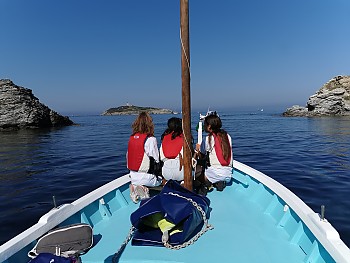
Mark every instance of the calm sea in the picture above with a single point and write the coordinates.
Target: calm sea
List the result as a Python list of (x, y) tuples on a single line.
[(310, 156)]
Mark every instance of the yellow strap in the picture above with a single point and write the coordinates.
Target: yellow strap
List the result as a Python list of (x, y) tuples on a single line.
[(165, 225)]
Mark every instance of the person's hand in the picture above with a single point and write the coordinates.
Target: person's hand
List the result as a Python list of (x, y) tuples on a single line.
[(197, 151)]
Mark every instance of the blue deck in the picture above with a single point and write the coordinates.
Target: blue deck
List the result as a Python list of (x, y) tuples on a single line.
[(251, 224), (236, 237)]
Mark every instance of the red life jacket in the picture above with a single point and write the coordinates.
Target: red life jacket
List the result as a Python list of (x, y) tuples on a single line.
[(219, 153), (172, 148), (136, 151)]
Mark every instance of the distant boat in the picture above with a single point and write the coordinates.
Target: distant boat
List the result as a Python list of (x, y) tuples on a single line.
[(209, 112), (262, 110)]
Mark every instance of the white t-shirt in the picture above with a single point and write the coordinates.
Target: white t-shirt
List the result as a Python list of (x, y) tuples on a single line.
[(151, 148)]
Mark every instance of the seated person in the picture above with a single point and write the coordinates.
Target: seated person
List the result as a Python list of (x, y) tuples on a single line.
[(142, 155), (171, 151), (216, 149)]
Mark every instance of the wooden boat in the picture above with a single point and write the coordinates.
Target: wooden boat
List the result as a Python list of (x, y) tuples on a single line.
[(255, 218)]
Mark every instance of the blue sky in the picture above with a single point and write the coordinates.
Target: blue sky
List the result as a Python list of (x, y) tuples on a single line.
[(84, 56)]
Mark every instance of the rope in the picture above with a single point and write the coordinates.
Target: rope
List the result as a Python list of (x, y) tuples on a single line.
[(189, 71), (184, 51), (188, 145)]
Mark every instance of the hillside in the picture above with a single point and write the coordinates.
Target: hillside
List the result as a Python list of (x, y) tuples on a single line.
[(133, 110), (332, 99)]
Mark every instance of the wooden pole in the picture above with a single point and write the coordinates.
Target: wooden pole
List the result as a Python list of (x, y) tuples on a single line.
[(186, 93)]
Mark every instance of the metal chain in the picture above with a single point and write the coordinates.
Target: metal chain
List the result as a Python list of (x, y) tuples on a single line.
[(123, 245), (205, 228)]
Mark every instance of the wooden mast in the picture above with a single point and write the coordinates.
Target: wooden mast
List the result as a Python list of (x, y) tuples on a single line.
[(186, 94)]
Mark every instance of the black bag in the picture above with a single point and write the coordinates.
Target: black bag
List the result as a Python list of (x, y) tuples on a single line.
[(48, 257), (155, 168), (71, 240), (171, 211)]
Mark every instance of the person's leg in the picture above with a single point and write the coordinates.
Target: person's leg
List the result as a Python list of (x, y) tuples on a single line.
[(219, 176), (133, 195), (201, 185), (142, 192), (220, 186)]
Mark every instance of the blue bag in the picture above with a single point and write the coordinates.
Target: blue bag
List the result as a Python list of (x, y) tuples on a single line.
[(50, 258), (170, 210)]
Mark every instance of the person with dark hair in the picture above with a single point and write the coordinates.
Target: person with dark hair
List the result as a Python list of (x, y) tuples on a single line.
[(142, 157), (217, 150), (171, 150)]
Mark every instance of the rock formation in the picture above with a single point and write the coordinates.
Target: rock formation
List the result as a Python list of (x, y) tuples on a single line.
[(132, 110), (19, 108), (333, 99)]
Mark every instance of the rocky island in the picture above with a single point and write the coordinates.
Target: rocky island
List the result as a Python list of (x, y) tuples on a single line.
[(134, 110), (19, 108), (333, 99)]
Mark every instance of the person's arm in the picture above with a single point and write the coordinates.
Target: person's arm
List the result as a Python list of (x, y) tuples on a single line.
[(203, 148), (151, 148), (200, 150)]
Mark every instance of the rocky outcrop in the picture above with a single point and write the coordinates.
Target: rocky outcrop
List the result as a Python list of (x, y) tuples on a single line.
[(132, 110), (19, 108), (333, 99)]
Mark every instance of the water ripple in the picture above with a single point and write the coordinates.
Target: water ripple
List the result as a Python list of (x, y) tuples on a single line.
[(310, 156)]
